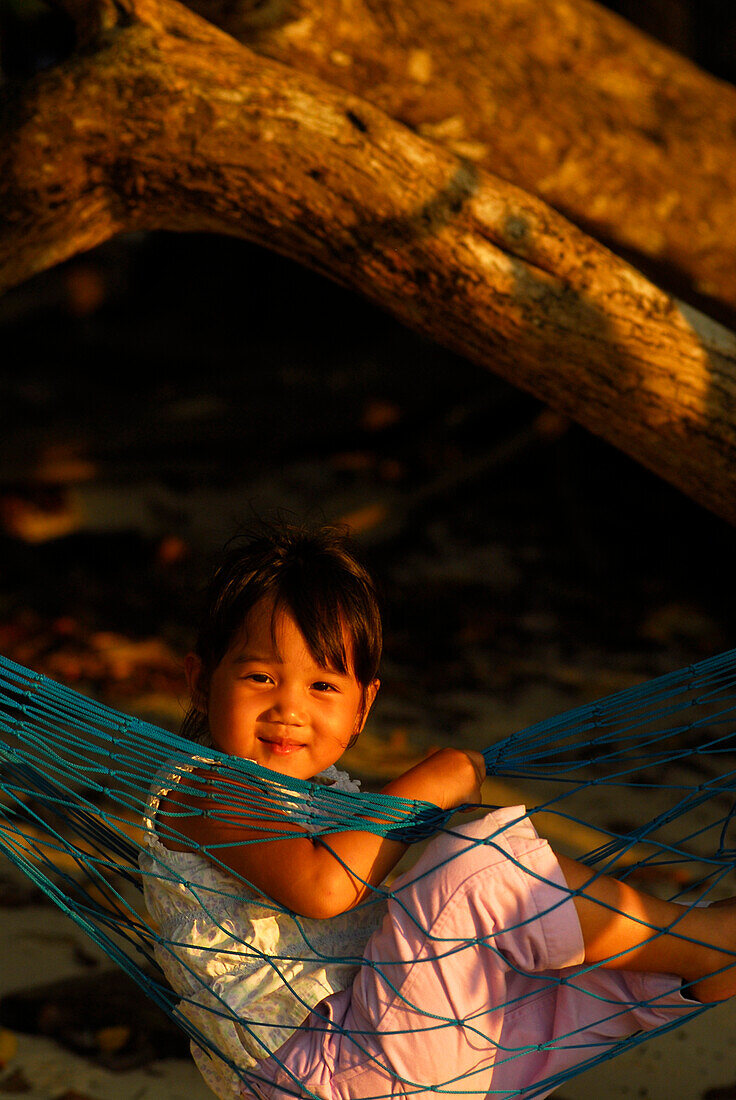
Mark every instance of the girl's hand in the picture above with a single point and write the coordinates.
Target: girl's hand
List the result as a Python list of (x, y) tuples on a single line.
[(447, 777), (479, 766), (466, 770)]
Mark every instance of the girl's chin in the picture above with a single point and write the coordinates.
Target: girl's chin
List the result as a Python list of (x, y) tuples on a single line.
[(294, 764)]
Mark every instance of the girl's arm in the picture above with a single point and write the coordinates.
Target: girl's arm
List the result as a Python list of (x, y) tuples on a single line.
[(312, 877)]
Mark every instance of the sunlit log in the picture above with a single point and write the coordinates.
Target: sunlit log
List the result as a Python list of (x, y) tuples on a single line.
[(628, 139), (164, 122)]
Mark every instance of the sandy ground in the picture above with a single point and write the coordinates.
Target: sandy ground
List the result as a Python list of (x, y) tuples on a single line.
[(39, 944)]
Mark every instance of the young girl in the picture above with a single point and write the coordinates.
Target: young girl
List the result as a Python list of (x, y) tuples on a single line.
[(488, 969)]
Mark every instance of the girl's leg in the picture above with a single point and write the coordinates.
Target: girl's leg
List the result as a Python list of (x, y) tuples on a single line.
[(625, 929), (474, 985)]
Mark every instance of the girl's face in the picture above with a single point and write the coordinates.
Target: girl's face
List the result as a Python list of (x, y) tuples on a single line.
[(268, 700)]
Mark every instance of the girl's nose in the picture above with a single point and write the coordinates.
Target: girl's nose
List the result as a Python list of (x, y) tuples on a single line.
[(287, 706)]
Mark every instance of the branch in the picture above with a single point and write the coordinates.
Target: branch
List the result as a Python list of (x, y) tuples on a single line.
[(173, 125), (632, 142)]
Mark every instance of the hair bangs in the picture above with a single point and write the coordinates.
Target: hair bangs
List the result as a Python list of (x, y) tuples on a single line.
[(308, 592)]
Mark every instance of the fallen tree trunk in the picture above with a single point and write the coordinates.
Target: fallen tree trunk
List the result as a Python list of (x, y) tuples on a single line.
[(166, 123), (628, 139)]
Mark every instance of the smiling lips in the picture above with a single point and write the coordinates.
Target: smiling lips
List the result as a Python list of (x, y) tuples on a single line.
[(281, 747)]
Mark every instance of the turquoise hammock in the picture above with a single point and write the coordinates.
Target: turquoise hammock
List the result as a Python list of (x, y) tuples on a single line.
[(75, 777)]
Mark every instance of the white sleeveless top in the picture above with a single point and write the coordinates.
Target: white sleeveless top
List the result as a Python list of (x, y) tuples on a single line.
[(225, 948)]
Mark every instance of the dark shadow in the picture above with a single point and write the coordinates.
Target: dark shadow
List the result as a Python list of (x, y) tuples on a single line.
[(33, 36)]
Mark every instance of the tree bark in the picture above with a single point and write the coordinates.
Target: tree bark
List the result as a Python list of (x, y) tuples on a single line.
[(168, 123), (625, 137)]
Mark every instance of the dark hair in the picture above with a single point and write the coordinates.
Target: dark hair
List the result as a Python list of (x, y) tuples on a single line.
[(315, 574)]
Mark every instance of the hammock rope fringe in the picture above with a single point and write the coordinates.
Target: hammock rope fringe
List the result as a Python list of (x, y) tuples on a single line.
[(75, 777)]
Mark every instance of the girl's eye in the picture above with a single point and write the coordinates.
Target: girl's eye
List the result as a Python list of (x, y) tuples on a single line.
[(322, 685), (259, 677)]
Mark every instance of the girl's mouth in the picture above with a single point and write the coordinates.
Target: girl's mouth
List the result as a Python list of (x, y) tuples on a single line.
[(281, 748)]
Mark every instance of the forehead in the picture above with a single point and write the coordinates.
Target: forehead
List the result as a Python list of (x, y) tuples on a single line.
[(270, 625), (265, 630), (270, 629)]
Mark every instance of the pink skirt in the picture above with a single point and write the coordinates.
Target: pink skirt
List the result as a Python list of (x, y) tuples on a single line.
[(473, 986)]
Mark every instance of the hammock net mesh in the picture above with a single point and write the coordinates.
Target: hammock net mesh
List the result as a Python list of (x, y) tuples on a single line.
[(76, 777)]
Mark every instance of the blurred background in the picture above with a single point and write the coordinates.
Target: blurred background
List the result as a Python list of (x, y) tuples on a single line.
[(158, 392)]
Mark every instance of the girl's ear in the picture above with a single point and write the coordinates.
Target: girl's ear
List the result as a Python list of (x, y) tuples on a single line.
[(370, 694), (193, 673)]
